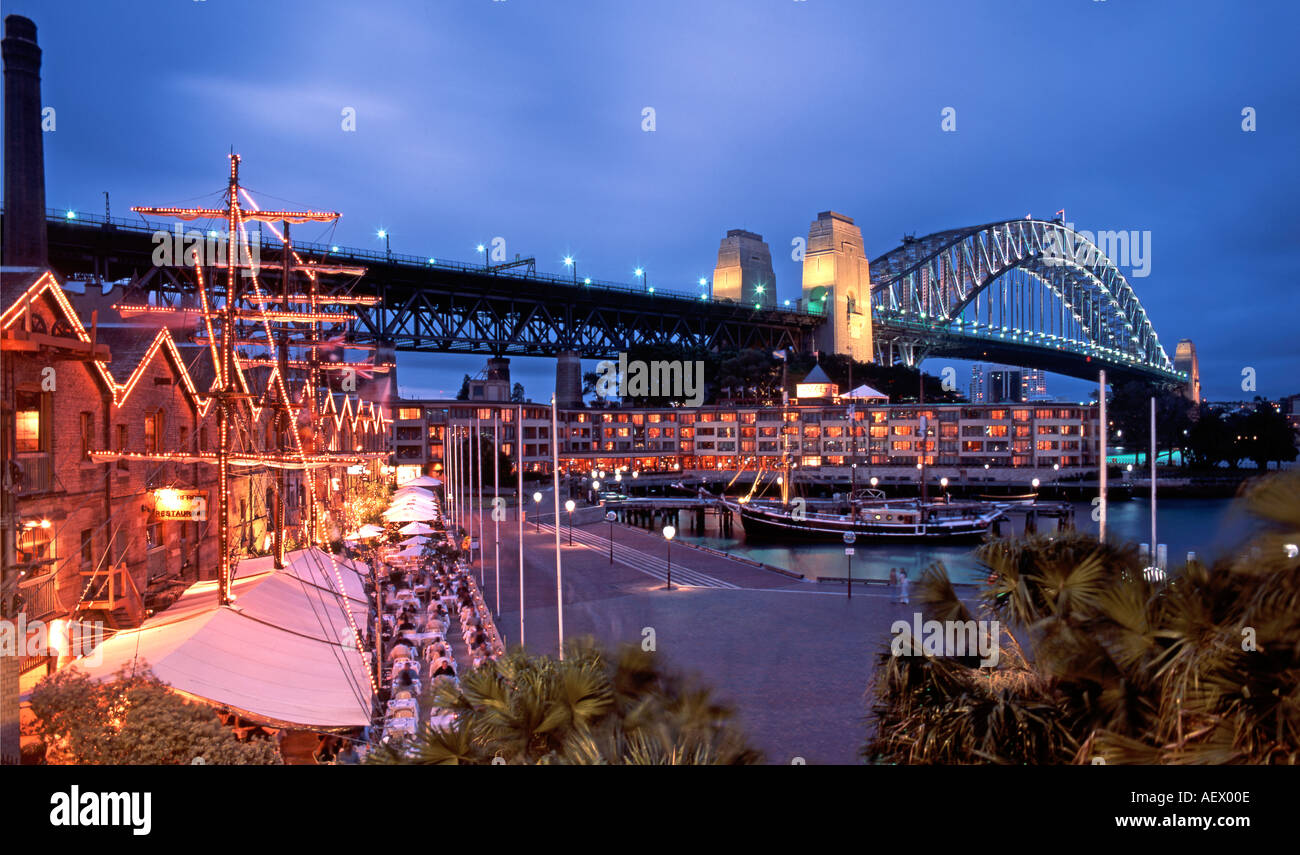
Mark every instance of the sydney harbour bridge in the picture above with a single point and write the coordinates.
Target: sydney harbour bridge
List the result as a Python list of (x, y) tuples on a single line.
[(1003, 292)]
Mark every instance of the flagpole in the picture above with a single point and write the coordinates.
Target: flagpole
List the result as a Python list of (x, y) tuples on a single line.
[(1101, 474), (1153, 482), (555, 484), (519, 510), (477, 450), (496, 494)]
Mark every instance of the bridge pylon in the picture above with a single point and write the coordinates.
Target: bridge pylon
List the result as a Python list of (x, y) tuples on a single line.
[(837, 284)]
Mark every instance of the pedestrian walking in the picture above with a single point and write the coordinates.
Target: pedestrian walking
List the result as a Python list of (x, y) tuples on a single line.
[(902, 586)]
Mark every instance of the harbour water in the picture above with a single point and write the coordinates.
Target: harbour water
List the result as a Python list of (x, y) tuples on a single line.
[(1208, 527)]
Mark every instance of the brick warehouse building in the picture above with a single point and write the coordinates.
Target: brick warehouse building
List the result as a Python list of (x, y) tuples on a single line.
[(77, 378)]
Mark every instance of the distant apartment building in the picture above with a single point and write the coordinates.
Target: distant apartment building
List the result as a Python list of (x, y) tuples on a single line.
[(1033, 384), (978, 393), (711, 438), (993, 384), (1005, 386)]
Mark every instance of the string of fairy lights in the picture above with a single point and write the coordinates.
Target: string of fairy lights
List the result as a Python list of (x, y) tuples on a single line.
[(233, 386)]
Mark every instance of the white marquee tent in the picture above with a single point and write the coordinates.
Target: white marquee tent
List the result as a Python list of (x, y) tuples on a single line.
[(282, 653)]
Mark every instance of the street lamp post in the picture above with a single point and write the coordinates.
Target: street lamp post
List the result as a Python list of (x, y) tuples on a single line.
[(943, 482), (537, 500), (388, 252), (569, 262), (849, 538), (669, 532), (610, 516), (569, 506)]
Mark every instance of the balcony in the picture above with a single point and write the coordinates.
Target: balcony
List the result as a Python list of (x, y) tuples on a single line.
[(31, 473)]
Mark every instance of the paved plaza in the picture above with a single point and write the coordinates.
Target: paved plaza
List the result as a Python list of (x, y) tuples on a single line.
[(794, 657)]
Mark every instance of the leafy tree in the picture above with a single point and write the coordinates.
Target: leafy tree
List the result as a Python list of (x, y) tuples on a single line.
[(1210, 439), (1204, 669), (587, 709), (1265, 436), (463, 394), (1129, 410), (517, 393), (133, 719)]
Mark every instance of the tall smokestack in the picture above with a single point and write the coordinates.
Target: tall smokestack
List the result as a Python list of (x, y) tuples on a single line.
[(24, 223)]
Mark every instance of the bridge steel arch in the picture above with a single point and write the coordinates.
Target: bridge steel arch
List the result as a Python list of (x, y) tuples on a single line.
[(1027, 291)]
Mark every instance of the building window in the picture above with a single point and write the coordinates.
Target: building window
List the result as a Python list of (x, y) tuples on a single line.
[(153, 432), (31, 422), (153, 535), (121, 445), (36, 545), (88, 549), (87, 433)]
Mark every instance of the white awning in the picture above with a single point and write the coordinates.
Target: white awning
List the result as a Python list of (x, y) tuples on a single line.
[(282, 653), (865, 391)]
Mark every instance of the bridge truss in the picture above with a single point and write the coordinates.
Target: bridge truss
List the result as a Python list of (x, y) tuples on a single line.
[(1027, 292)]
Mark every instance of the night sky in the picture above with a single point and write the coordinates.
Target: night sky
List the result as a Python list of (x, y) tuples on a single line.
[(522, 119)]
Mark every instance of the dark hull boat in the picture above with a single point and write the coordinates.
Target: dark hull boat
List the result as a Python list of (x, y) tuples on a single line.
[(893, 521)]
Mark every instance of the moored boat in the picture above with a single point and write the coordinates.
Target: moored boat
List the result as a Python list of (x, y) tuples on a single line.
[(883, 520)]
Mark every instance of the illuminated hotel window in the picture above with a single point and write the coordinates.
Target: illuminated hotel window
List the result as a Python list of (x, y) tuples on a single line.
[(31, 421)]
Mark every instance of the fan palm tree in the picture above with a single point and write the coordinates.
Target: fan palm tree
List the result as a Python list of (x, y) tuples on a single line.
[(1202, 669), (586, 709)]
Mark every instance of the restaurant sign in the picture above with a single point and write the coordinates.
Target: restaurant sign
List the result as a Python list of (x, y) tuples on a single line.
[(182, 505)]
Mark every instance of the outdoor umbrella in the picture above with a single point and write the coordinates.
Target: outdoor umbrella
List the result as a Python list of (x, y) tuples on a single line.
[(410, 515), (415, 528), (415, 541), (418, 492), (423, 481)]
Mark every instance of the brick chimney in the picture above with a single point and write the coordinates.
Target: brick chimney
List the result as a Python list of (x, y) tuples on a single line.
[(24, 220)]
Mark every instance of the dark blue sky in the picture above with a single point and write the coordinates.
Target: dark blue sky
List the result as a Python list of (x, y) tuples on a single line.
[(523, 119)]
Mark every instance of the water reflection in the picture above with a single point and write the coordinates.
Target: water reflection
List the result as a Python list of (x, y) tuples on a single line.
[(1208, 527)]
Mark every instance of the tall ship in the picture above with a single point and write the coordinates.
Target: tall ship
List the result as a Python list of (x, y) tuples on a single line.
[(868, 515)]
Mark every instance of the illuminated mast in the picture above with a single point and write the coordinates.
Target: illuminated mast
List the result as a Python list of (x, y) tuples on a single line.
[(228, 393)]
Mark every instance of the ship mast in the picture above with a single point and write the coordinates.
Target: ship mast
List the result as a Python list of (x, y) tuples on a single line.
[(231, 400), (785, 436)]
